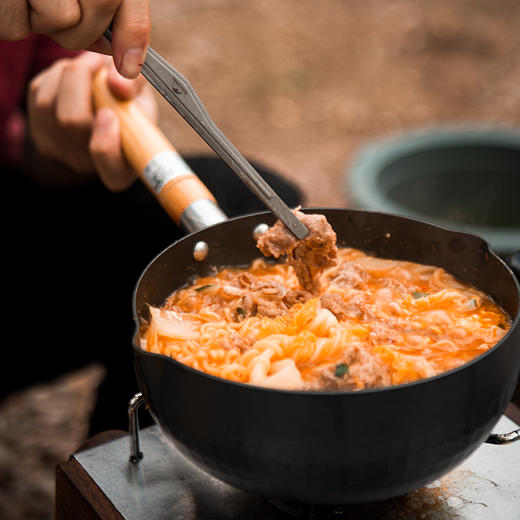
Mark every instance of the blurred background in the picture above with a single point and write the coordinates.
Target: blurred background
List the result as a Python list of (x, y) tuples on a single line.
[(299, 86)]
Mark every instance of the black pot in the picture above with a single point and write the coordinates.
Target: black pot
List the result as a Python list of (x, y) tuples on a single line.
[(332, 447)]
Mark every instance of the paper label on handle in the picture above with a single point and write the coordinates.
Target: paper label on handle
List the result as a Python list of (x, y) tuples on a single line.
[(163, 168)]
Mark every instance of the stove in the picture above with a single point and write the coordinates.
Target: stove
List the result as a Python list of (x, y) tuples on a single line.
[(164, 484)]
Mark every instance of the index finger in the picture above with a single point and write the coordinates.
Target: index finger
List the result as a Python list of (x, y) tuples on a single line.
[(122, 87), (74, 97), (50, 16), (14, 20)]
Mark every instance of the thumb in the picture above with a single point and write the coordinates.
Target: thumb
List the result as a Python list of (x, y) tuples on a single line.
[(131, 36)]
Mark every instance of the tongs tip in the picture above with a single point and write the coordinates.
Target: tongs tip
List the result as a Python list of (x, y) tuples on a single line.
[(297, 228)]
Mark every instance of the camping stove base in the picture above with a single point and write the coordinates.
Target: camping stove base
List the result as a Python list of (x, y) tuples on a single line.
[(164, 484)]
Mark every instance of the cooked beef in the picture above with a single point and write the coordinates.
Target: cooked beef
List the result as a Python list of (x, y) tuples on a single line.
[(235, 340), (350, 275), (310, 256), (362, 370), (258, 304), (354, 307), (248, 307), (298, 296), (335, 304), (267, 299)]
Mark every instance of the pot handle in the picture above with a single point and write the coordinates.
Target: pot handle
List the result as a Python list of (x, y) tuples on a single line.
[(505, 438), (181, 193)]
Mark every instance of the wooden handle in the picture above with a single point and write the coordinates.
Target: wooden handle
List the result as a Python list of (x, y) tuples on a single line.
[(144, 146)]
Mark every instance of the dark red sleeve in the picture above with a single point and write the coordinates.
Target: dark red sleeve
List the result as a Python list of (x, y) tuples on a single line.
[(46, 52), (19, 62)]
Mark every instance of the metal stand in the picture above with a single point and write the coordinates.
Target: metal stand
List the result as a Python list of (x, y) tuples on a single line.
[(165, 484), (133, 427)]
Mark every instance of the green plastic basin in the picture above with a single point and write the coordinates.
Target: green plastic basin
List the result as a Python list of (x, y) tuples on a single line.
[(463, 178)]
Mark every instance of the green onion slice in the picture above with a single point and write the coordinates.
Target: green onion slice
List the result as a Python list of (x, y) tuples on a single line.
[(341, 370)]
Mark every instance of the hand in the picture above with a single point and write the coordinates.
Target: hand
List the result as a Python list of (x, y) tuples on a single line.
[(80, 24), (63, 123)]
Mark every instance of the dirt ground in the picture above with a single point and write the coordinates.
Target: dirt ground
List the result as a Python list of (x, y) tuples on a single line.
[(299, 86)]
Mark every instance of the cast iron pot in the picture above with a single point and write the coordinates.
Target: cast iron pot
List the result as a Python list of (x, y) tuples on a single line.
[(331, 447), (312, 447)]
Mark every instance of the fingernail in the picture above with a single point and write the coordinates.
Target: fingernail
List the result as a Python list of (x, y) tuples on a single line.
[(105, 118), (132, 62)]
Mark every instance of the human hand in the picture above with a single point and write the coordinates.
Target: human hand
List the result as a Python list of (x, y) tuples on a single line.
[(64, 126), (80, 24)]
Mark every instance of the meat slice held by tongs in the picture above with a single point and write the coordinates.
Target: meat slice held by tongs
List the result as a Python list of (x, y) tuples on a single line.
[(308, 256), (308, 240)]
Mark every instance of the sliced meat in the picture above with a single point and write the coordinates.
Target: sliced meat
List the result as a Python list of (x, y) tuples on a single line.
[(235, 341), (268, 299), (350, 275), (361, 370), (310, 256), (298, 296), (257, 304), (335, 304), (248, 307), (354, 307)]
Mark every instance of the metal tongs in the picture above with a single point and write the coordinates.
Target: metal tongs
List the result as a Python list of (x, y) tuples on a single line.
[(177, 90)]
